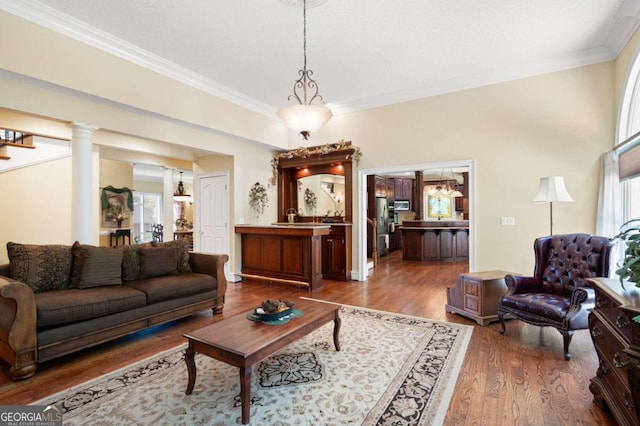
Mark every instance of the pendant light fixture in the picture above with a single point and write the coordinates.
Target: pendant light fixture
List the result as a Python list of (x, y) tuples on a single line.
[(443, 189), (181, 192), (305, 117)]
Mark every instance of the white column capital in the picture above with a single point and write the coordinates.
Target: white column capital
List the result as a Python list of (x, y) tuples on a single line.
[(77, 125)]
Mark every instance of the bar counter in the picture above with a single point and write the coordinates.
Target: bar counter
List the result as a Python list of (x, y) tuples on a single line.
[(283, 252), (435, 240)]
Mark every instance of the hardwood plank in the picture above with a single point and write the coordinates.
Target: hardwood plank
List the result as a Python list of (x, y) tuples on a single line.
[(517, 378)]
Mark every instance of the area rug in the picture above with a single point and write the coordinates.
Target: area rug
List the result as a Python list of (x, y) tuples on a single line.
[(392, 369)]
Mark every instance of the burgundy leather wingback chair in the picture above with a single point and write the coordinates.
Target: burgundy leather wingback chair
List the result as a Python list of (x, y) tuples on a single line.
[(557, 295)]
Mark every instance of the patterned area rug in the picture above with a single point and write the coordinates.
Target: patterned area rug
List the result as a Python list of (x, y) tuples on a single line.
[(393, 369)]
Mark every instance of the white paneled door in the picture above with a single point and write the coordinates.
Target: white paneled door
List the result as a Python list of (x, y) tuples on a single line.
[(213, 196)]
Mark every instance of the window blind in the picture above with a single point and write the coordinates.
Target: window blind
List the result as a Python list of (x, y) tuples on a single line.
[(629, 157)]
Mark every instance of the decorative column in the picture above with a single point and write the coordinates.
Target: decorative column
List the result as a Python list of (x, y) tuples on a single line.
[(418, 196), (167, 205), (81, 179)]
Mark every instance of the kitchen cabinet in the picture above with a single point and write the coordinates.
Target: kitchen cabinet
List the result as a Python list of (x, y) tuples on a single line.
[(616, 338), (403, 189), (390, 189), (380, 186), (336, 253)]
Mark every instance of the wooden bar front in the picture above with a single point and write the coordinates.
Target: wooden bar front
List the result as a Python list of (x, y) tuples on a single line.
[(287, 253), (430, 240)]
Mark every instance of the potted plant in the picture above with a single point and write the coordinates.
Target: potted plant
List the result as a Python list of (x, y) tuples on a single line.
[(629, 266)]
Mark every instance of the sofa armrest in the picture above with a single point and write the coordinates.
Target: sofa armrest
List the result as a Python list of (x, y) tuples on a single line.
[(18, 334), (4, 270), (212, 264)]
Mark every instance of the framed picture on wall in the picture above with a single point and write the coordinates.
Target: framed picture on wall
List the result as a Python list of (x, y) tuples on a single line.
[(115, 208)]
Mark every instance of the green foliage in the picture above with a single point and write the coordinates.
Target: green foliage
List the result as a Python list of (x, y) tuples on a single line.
[(258, 198), (629, 267)]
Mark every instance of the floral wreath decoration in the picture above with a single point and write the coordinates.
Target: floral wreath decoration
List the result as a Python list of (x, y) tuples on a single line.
[(304, 152), (258, 198)]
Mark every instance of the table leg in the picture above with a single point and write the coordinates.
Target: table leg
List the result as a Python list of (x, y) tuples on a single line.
[(189, 358), (336, 331), (245, 392)]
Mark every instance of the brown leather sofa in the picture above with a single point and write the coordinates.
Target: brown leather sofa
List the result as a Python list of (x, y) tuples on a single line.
[(558, 295), (79, 296)]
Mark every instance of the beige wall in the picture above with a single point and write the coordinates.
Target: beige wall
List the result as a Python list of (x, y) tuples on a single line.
[(36, 205), (516, 132)]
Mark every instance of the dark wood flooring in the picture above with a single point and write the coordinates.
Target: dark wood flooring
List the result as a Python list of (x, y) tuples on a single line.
[(520, 378)]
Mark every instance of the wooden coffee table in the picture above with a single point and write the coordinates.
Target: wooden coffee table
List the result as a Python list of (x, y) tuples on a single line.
[(242, 343)]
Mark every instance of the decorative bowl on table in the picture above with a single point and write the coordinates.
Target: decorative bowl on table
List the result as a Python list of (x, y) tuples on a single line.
[(273, 309)]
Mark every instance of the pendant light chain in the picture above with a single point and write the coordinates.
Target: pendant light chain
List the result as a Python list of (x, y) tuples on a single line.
[(305, 117), (304, 47), (304, 33)]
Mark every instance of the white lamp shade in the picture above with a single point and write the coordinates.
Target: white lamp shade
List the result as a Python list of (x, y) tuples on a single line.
[(552, 190), (305, 118)]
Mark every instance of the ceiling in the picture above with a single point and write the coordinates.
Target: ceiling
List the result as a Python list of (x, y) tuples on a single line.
[(364, 53)]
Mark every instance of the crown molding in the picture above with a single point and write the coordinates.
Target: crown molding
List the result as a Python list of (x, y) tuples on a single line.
[(494, 76), (52, 19), (627, 22)]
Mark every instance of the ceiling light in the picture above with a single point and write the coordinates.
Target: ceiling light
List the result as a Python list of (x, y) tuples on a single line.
[(305, 117)]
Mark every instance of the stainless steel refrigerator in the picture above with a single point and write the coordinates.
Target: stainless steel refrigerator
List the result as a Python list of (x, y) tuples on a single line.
[(382, 218)]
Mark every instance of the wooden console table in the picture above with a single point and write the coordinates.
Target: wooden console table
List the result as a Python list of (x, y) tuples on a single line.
[(476, 295), (117, 234)]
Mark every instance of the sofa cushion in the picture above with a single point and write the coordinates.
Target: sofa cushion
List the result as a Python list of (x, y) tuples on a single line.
[(174, 286), (96, 266), (181, 247), (157, 262), (73, 305), (41, 267)]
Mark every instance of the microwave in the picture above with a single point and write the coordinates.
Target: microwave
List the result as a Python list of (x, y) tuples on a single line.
[(401, 206)]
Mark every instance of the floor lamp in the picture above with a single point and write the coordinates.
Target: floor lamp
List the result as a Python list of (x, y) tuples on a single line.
[(552, 190)]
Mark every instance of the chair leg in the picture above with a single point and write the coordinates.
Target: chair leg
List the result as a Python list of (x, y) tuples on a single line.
[(501, 318), (566, 337)]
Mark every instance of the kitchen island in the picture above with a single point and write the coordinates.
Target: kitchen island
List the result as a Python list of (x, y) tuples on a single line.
[(435, 240), (284, 252)]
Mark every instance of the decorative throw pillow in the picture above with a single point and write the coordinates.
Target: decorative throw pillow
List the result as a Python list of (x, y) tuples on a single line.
[(131, 261), (157, 262), (96, 266), (181, 246), (41, 267)]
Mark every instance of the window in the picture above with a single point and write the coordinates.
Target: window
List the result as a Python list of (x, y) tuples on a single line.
[(630, 195), (147, 211), (629, 152)]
